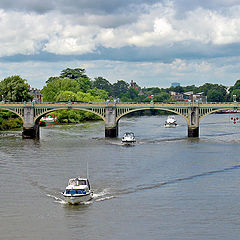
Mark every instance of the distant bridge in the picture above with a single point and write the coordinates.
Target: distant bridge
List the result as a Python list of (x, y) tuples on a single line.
[(111, 113)]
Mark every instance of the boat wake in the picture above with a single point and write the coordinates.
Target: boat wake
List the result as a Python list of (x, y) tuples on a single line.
[(102, 196), (58, 200), (177, 180)]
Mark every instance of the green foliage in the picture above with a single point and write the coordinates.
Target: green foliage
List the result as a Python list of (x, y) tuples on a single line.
[(98, 93), (214, 92), (120, 87), (51, 79), (56, 86), (72, 85), (177, 89), (102, 83), (84, 84), (237, 85), (75, 116), (162, 97), (8, 124), (87, 97), (131, 95), (190, 88), (156, 91), (9, 120), (66, 96), (237, 93), (214, 95), (14, 89), (73, 73)]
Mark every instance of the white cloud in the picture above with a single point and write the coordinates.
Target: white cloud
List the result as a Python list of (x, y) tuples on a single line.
[(157, 25)]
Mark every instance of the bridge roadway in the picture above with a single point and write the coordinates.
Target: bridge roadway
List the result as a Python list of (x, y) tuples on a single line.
[(111, 113)]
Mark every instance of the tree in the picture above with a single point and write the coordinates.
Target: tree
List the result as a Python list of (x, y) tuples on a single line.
[(214, 95), (98, 93), (53, 88), (130, 96), (73, 73), (237, 93), (235, 86), (84, 83), (119, 88), (162, 97), (65, 96), (102, 83), (177, 89), (14, 89), (51, 79), (209, 89)]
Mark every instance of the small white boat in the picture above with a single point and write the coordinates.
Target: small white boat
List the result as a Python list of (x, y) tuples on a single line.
[(170, 122), (128, 138), (78, 191)]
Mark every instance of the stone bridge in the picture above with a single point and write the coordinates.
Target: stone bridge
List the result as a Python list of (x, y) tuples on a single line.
[(111, 113)]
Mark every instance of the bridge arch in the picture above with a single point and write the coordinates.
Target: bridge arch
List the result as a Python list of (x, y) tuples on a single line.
[(18, 112), (142, 109), (46, 111), (210, 111)]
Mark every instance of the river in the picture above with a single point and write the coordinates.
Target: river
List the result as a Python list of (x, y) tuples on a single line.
[(166, 186)]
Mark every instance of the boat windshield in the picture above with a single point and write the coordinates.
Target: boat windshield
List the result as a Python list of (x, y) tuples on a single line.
[(76, 191), (129, 134)]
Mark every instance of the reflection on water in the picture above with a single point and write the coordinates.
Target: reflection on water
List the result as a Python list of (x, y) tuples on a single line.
[(165, 185)]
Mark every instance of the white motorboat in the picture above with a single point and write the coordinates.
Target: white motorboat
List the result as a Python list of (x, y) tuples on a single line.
[(170, 122), (78, 191), (128, 138)]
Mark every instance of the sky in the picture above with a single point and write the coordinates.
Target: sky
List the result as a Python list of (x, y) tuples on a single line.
[(153, 42)]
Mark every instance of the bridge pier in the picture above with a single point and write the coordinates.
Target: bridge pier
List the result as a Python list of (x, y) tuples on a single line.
[(193, 122), (111, 132), (193, 131), (31, 133), (30, 128), (111, 126)]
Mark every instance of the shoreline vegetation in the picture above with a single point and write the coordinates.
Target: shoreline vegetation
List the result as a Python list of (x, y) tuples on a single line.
[(75, 85)]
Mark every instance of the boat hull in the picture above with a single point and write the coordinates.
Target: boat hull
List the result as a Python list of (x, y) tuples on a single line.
[(128, 142), (77, 199), (170, 125)]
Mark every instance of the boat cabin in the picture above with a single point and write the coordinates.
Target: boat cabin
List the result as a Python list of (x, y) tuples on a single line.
[(129, 135), (79, 182)]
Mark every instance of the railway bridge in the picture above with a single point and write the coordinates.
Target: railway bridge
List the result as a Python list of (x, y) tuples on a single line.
[(111, 113)]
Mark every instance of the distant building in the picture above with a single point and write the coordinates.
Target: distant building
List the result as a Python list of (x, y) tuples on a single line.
[(141, 93), (188, 96), (36, 94), (175, 84), (199, 97), (133, 85), (195, 97), (176, 96)]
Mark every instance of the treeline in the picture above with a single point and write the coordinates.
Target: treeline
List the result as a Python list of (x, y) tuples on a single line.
[(75, 85)]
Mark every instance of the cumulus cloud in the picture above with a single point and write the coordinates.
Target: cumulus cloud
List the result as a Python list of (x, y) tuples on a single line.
[(154, 25), (159, 36)]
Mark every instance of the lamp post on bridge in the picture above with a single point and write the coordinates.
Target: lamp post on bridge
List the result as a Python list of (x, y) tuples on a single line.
[(152, 98), (71, 98), (234, 98)]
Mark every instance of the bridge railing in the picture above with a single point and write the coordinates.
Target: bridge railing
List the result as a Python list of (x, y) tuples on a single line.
[(119, 103)]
